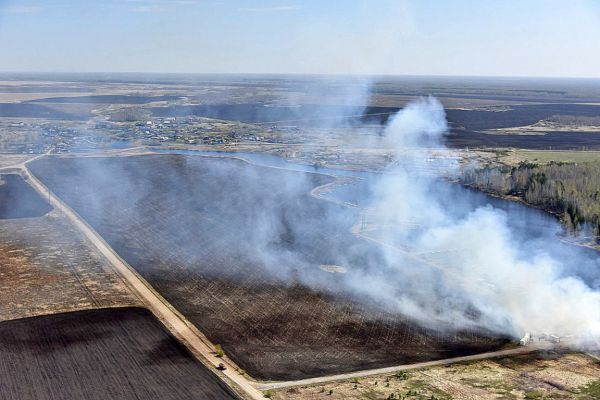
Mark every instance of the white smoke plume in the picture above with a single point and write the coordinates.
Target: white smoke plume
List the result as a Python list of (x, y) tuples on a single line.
[(475, 260)]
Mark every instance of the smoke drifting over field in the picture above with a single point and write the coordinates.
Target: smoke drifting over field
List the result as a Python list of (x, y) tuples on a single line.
[(486, 276), (196, 226)]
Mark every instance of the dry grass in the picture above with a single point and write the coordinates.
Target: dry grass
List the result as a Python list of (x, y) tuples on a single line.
[(548, 376), (9, 160), (515, 157), (544, 157), (47, 267)]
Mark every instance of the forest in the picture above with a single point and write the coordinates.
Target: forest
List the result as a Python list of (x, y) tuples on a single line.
[(569, 190)]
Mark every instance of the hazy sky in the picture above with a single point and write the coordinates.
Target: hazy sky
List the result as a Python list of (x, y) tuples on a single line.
[(419, 37)]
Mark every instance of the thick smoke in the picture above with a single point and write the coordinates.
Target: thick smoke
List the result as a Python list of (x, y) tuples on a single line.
[(484, 275)]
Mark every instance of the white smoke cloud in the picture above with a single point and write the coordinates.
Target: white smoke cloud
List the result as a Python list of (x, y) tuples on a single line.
[(475, 260)]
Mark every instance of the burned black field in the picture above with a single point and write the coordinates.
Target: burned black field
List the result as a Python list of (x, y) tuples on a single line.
[(120, 353), (19, 200), (65, 112), (105, 99), (220, 239), (549, 141), (467, 126), (309, 114)]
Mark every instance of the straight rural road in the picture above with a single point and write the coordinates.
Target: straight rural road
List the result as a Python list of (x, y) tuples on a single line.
[(391, 370), (191, 337)]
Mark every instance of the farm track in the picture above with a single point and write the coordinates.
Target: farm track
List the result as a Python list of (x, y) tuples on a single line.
[(391, 370)]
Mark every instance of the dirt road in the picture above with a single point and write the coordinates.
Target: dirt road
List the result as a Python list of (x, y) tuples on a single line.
[(390, 370), (21, 164), (194, 340)]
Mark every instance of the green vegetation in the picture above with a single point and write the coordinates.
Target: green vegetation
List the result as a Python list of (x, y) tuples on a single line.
[(534, 394), (402, 375), (500, 386), (569, 190), (219, 350), (591, 390), (545, 156)]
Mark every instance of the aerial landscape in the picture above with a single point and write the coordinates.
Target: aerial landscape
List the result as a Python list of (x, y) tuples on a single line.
[(299, 200)]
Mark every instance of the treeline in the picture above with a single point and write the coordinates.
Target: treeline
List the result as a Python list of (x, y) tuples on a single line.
[(576, 120), (569, 190)]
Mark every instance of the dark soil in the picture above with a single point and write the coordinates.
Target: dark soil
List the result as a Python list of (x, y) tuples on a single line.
[(105, 99), (551, 141), (19, 200), (236, 248), (116, 353), (67, 112), (306, 115), (517, 115)]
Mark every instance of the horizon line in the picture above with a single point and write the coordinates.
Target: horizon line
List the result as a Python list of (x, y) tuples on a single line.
[(308, 74)]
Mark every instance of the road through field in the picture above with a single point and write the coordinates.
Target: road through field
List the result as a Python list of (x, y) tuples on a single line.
[(391, 370), (194, 340), (21, 164)]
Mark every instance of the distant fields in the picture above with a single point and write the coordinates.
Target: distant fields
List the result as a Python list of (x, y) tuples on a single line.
[(541, 156)]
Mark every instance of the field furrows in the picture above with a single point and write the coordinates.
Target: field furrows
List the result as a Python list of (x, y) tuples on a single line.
[(116, 353)]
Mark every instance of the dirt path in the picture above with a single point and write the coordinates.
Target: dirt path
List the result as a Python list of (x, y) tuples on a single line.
[(390, 370), (194, 340), (21, 165)]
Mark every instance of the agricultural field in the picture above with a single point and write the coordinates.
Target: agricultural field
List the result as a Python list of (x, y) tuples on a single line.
[(115, 353), (219, 239), (543, 375), (19, 200), (515, 157), (47, 266), (560, 140)]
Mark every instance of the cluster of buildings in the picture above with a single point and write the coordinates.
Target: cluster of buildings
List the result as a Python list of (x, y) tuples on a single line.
[(24, 137), (187, 130), (100, 133)]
